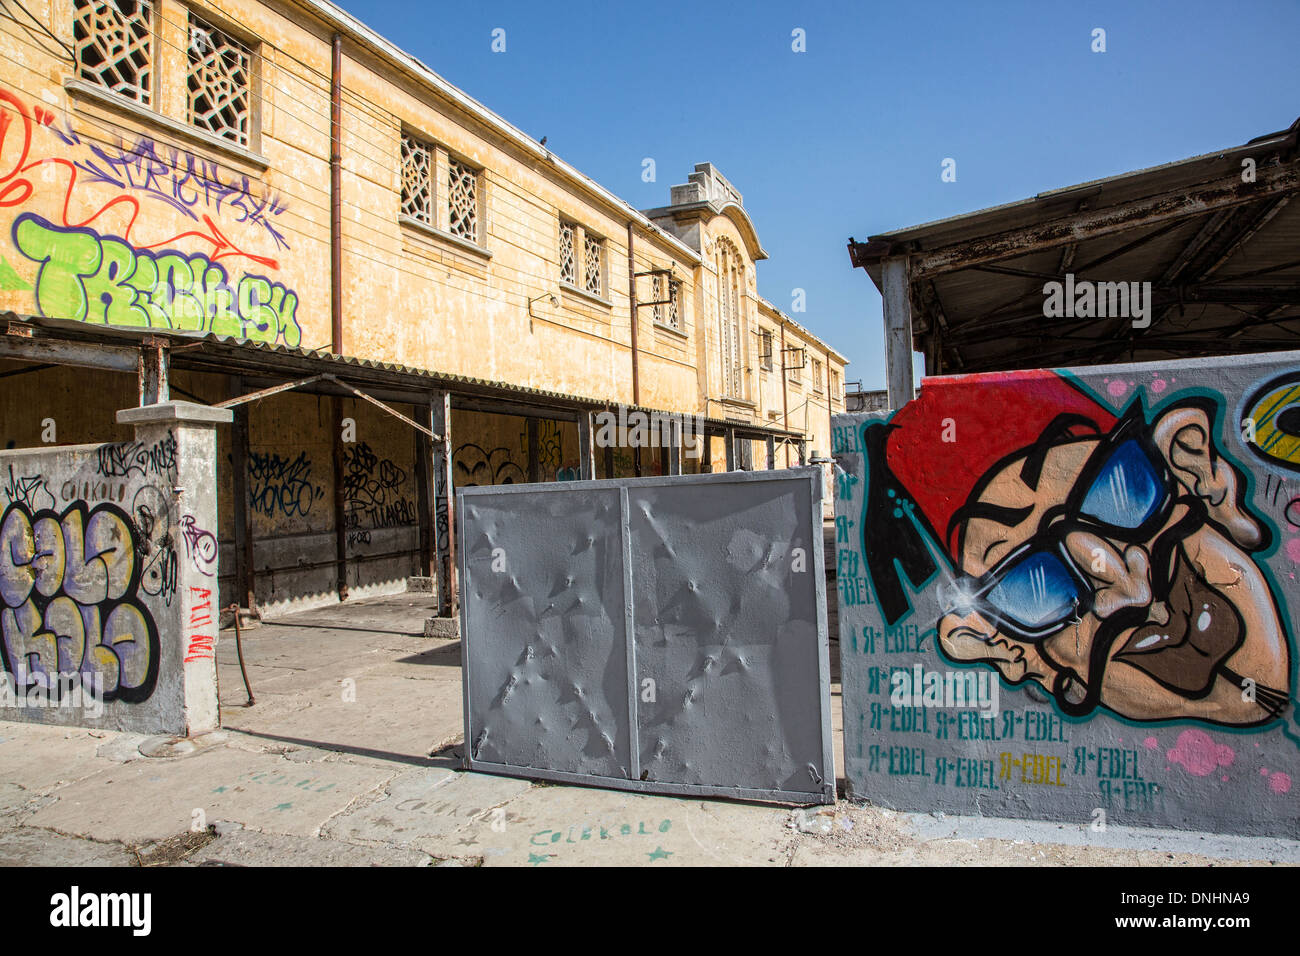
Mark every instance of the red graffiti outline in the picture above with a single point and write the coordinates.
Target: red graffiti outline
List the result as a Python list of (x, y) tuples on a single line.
[(222, 246)]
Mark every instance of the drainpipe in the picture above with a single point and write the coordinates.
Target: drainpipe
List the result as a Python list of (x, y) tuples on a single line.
[(336, 306), (632, 308), (336, 197)]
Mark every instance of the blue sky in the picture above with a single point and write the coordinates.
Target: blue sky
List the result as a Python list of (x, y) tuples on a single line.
[(848, 137)]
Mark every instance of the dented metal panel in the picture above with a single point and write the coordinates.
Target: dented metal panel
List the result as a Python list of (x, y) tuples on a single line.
[(655, 634)]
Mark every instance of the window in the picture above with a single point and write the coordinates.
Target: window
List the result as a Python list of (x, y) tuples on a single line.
[(817, 374), (114, 46), (765, 349), (731, 283), (582, 259), (592, 253), (417, 180), (568, 254), (462, 200), (835, 384), (220, 83), (669, 316), (796, 358)]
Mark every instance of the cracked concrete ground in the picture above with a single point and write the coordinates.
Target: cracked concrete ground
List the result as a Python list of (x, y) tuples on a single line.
[(350, 757)]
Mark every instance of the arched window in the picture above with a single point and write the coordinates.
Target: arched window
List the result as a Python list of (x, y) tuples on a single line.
[(731, 319)]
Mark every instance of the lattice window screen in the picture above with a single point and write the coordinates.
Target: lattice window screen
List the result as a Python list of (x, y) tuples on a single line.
[(417, 180), (220, 83), (657, 296), (568, 262), (591, 253), (462, 200), (114, 46)]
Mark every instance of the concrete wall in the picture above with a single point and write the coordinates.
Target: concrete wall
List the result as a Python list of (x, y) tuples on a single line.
[(108, 578), (1105, 561)]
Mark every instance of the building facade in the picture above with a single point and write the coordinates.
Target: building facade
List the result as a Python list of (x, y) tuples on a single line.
[(207, 200)]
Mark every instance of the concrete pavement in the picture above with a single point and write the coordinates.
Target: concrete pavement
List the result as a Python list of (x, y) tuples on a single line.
[(350, 758)]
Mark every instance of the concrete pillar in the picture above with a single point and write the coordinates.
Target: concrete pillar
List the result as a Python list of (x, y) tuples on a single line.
[(444, 503), (896, 280), (188, 628)]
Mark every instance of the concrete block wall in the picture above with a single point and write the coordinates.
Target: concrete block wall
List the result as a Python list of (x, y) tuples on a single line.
[(108, 562), (1071, 595)]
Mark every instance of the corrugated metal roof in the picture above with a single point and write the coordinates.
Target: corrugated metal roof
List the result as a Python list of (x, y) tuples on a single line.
[(1223, 262), (209, 351)]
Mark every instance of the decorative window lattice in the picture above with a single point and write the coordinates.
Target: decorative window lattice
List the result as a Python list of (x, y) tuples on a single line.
[(462, 200), (568, 263), (114, 45), (591, 252), (674, 315), (417, 180), (220, 82), (657, 296)]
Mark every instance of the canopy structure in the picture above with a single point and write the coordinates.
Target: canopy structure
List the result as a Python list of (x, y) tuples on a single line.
[(1217, 237)]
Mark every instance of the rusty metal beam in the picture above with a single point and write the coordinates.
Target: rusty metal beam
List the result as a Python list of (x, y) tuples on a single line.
[(268, 392), (1094, 223), (378, 404), (152, 371), (29, 349)]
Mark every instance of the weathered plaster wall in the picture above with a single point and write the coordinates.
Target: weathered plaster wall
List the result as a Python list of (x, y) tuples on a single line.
[(1105, 561), (107, 579), (113, 215)]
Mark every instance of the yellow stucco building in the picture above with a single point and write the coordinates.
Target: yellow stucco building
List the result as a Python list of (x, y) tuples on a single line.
[(204, 200)]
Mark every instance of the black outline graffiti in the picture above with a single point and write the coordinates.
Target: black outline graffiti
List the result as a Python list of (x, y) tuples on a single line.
[(276, 483), (103, 610), (26, 487), (128, 458)]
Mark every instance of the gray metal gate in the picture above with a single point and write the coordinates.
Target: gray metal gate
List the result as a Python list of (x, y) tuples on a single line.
[(654, 634)]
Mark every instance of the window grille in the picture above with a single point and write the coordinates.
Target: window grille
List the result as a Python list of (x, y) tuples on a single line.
[(114, 46), (220, 81)]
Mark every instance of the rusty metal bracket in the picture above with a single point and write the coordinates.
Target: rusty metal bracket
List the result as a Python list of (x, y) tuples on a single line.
[(267, 392), (378, 404), (327, 377)]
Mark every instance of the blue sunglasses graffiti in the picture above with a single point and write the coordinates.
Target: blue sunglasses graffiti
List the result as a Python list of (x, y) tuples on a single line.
[(1125, 491)]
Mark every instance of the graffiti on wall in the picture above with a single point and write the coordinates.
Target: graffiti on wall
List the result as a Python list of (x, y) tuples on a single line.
[(474, 465), (87, 277), (69, 583), (372, 493), (279, 486), (114, 253), (552, 464), (1103, 547)]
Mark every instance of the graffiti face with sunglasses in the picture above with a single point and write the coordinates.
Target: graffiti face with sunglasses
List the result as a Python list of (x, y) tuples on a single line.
[(1115, 570)]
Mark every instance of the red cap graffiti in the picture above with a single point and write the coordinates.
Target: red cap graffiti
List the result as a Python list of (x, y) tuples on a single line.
[(939, 456)]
